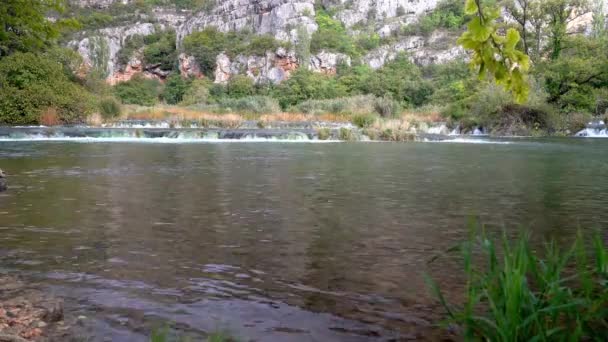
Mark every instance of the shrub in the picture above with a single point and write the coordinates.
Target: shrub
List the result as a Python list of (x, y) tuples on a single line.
[(175, 89), (197, 93), (363, 120), (304, 85), (331, 35), (240, 86), (139, 90), (132, 44), (109, 108), (30, 84), (323, 133), (521, 296), (345, 134), (386, 107)]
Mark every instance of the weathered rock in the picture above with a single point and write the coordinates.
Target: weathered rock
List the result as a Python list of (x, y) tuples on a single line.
[(188, 66), (327, 62), (436, 49), (357, 11), (280, 18)]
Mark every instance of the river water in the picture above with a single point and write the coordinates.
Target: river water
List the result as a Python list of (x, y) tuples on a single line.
[(276, 241)]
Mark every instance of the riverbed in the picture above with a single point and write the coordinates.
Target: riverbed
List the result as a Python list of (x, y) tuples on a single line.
[(278, 241)]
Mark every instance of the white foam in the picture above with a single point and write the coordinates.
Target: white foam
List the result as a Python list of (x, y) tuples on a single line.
[(475, 141), (592, 133), (164, 140)]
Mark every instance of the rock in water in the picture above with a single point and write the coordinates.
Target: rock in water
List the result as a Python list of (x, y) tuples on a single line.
[(3, 185)]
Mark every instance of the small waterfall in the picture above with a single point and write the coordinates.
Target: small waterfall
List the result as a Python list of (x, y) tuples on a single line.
[(156, 135), (594, 129)]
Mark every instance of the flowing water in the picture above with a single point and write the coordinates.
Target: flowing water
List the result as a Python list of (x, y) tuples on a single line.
[(273, 241)]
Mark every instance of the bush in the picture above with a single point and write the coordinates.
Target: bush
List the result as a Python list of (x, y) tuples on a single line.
[(31, 84), (197, 93), (519, 295), (240, 86), (139, 90), (304, 85), (323, 133), (331, 35), (175, 89), (363, 120), (109, 108), (132, 44)]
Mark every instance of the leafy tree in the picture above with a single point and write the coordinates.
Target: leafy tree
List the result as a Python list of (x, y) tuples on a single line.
[(303, 47), (25, 26), (559, 14), (331, 35), (205, 46), (495, 53), (175, 89), (161, 50)]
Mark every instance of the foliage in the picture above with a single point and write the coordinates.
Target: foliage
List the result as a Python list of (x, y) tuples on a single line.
[(449, 14), (331, 35), (160, 49), (139, 91), (517, 295), (302, 48), (109, 107), (240, 86), (197, 93), (131, 44), (31, 84), (304, 85), (323, 133), (175, 89), (25, 26), (364, 120), (494, 53)]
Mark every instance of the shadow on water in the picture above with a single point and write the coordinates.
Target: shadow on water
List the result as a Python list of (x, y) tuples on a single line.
[(279, 241)]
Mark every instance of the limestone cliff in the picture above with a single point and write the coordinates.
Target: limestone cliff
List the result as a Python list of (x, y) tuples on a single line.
[(279, 18)]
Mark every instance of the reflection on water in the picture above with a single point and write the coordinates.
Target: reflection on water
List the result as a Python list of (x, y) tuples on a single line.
[(278, 241)]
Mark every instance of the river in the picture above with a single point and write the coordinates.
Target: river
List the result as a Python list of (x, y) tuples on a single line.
[(278, 241)]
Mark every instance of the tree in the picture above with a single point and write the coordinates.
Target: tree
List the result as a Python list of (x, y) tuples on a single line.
[(495, 53), (25, 26), (521, 10), (599, 20), (559, 14)]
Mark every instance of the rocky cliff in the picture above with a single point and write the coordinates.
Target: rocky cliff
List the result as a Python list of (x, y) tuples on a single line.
[(282, 19)]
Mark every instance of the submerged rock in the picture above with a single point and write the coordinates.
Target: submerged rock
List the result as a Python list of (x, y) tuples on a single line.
[(3, 186)]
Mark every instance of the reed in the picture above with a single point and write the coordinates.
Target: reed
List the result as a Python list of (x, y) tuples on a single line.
[(514, 294)]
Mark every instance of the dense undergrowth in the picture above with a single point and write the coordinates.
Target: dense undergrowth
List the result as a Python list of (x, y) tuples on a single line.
[(514, 293)]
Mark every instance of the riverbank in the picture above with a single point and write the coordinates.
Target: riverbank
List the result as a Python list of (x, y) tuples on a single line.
[(28, 314)]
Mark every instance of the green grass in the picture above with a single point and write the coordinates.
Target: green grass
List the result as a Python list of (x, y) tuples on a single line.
[(165, 335), (516, 294)]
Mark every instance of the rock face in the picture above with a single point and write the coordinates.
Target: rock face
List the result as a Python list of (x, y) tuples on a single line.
[(435, 49), (274, 67), (357, 11), (280, 18)]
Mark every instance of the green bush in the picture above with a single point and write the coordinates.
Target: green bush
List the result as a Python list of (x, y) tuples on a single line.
[(331, 35), (517, 294), (160, 49), (304, 85), (139, 90), (109, 107), (240, 86), (175, 89), (323, 133), (345, 134), (364, 120), (197, 93), (31, 84)]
